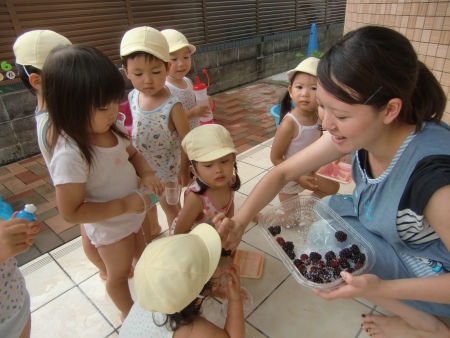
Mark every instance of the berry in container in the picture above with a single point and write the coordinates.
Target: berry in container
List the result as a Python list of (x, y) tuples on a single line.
[(315, 243)]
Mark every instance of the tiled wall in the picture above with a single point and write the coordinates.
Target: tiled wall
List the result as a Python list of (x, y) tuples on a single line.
[(425, 23)]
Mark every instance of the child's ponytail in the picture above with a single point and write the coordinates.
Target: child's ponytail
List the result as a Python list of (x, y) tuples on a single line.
[(428, 99), (285, 105)]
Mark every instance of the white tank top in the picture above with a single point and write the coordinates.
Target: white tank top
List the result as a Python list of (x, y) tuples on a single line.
[(306, 136)]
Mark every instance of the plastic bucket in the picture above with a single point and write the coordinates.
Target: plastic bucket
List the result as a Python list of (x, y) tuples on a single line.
[(275, 111)]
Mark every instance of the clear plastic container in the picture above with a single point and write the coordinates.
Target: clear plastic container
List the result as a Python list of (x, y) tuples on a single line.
[(311, 226)]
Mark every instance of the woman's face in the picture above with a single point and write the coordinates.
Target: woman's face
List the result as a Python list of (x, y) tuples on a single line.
[(352, 127)]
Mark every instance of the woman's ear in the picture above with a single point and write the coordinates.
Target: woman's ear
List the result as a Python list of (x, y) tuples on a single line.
[(35, 81), (392, 110)]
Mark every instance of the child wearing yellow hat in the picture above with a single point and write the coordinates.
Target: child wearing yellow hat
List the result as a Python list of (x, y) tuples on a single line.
[(159, 120), (170, 291), (211, 151), (179, 85)]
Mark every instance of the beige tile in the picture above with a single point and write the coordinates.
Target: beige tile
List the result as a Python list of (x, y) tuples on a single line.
[(57, 224), (273, 274), (441, 8), (74, 262), (441, 51), (425, 36), (95, 289), (248, 187), (70, 316), (247, 171), (438, 22), (306, 313), (420, 22), (435, 36), (429, 61), (431, 10), (45, 280), (260, 159), (446, 25)]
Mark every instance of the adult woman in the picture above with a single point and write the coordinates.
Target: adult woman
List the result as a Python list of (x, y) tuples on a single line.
[(378, 100)]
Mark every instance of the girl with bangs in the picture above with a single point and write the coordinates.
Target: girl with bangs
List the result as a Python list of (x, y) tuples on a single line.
[(94, 167)]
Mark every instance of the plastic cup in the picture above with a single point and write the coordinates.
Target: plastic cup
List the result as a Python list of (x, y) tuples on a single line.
[(247, 302), (172, 191), (149, 198), (121, 118)]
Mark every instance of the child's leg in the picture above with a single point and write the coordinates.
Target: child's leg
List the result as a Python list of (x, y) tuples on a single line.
[(409, 323), (91, 253), (139, 246), (118, 258), (326, 187), (27, 329), (171, 211)]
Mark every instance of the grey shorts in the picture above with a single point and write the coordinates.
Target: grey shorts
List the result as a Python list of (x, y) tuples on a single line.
[(14, 327)]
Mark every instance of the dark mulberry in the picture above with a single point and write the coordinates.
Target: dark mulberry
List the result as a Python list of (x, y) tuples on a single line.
[(340, 236), (330, 255), (361, 258), (304, 257), (337, 273), (274, 230), (359, 266), (343, 263), (350, 270), (225, 253), (290, 254), (345, 253), (334, 263), (288, 246), (355, 250), (315, 256)]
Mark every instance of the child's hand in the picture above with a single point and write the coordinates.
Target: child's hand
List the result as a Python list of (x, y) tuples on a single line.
[(133, 204), (200, 111), (234, 283), (153, 183), (307, 182), (16, 236)]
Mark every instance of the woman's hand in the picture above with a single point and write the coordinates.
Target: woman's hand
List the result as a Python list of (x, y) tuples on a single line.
[(363, 286), (16, 236), (153, 183), (230, 231)]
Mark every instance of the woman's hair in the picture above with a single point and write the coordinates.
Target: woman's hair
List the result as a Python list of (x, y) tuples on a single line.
[(189, 313), (203, 187), (24, 76), (76, 80), (372, 65)]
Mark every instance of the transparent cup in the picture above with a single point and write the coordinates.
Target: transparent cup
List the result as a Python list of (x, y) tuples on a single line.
[(172, 192), (121, 118), (247, 302), (149, 198)]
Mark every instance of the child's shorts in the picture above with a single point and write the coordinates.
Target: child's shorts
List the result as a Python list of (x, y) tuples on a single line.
[(14, 327)]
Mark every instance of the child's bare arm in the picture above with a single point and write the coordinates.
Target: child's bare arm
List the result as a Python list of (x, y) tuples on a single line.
[(181, 125), (144, 171), (281, 142), (73, 208), (197, 111), (192, 207)]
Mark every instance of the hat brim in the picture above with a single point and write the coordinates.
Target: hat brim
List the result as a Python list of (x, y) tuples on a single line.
[(134, 49), (215, 154), (211, 238), (176, 47)]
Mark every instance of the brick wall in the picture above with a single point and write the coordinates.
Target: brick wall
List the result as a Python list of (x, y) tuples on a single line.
[(425, 23)]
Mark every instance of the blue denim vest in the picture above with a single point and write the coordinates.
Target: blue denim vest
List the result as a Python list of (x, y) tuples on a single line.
[(375, 202)]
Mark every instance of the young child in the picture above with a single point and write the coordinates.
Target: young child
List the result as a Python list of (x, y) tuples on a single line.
[(159, 121), (94, 167), (299, 128), (212, 154), (170, 291), (16, 236), (176, 80)]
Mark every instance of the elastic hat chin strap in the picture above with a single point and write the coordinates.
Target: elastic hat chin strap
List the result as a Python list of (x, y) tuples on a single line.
[(196, 175)]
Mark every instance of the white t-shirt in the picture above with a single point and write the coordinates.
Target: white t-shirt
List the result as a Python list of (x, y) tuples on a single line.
[(42, 124), (111, 176), (187, 99), (141, 323)]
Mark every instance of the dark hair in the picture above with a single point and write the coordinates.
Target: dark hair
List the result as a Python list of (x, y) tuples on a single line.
[(148, 57), (76, 80), (24, 76), (285, 103), (372, 65), (203, 187), (189, 313)]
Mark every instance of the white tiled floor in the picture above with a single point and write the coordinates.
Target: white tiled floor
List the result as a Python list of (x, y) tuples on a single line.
[(68, 299)]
